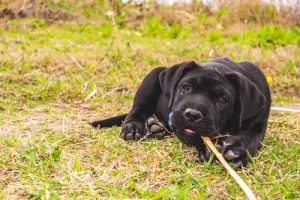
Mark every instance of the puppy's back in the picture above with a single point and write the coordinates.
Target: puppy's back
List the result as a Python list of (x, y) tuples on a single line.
[(253, 72)]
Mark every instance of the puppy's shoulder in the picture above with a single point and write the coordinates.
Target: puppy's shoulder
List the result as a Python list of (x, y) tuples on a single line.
[(247, 68), (251, 70)]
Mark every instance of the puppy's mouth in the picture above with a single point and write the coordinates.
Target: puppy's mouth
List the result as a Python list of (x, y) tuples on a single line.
[(181, 127), (190, 131)]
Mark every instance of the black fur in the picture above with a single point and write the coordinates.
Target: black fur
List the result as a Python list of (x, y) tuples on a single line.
[(209, 98)]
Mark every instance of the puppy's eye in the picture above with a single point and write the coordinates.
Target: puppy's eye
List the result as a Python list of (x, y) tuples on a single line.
[(187, 87), (222, 100)]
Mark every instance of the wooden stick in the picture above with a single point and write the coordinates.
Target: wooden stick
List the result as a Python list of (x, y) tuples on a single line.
[(284, 109), (237, 178)]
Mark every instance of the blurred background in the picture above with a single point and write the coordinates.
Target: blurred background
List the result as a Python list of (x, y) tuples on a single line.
[(64, 63), (115, 35)]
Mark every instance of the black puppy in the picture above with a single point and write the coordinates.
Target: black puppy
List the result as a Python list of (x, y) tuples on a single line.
[(218, 98)]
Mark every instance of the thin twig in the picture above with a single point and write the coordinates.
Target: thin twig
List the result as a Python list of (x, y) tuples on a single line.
[(91, 95), (75, 61), (161, 125), (237, 178), (24, 4), (63, 124), (284, 109)]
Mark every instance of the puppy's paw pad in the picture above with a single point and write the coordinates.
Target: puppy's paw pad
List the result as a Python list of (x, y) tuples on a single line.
[(230, 155), (159, 135), (132, 131), (153, 125), (151, 121), (233, 150), (207, 154), (202, 157), (235, 154), (137, 136), (129, 136), (219, 147), (155, 129)]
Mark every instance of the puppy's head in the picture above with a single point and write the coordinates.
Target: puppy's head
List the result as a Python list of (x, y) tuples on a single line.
[(204, 100)]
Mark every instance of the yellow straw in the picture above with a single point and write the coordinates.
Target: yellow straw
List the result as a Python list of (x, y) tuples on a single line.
[(237, 178)]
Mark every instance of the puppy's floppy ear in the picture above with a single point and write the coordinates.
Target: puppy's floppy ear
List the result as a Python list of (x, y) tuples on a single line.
[(249, 99), (170, 77)]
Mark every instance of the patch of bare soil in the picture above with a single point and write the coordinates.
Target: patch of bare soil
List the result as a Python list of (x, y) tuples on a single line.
[(32, 8), (39, 121)]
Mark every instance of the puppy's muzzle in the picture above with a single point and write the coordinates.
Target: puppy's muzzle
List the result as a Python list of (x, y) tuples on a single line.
[(192, 115)]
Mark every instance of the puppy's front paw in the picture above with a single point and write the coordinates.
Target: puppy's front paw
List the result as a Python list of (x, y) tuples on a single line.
[(234, 150), (133, 130), (155, 130), (205, 153)]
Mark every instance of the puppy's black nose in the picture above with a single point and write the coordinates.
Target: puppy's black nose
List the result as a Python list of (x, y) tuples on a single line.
[(192, 115)]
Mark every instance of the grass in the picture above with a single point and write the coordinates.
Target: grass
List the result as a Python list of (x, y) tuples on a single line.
[(48, 69)]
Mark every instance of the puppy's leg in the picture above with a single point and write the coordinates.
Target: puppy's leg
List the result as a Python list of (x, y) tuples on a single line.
[(144, 105), (235, 147)]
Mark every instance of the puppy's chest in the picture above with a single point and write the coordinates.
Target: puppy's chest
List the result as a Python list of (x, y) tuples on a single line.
[(162, 108)]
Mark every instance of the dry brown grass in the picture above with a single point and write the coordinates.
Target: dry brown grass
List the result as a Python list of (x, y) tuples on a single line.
[(151, 164), (258, 12), (39, 9), (48, 70), (239, 12)]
